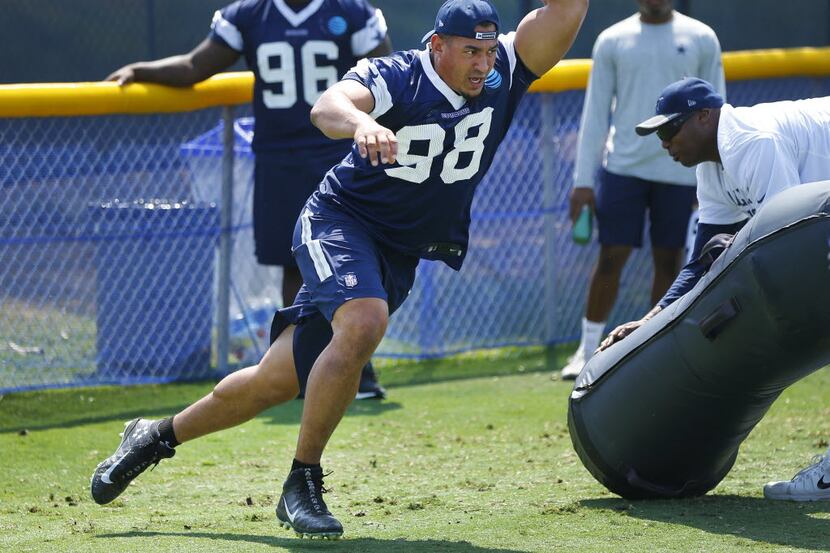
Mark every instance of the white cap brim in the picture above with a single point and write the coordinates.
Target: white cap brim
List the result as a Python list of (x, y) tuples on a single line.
[(427, 36), (652, 124)]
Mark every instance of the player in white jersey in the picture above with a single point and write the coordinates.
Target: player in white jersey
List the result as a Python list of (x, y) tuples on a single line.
[(354, 244), (633, 60), (744, 157)]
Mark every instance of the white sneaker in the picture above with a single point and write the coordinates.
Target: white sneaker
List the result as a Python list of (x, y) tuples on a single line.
[(810, 484), (575, 364)]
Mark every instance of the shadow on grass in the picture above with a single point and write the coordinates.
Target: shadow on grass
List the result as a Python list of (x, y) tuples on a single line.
[(782, 523), (71, 407), (502, 362), (287, 413), (292, 412), (68, 408), (362, 545)]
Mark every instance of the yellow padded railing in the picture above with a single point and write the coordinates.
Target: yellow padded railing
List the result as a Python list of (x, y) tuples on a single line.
[(738, 66), (74, 99)]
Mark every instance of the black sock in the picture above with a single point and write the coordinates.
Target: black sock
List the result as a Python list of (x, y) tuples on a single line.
[(300, 465), (165, 428)]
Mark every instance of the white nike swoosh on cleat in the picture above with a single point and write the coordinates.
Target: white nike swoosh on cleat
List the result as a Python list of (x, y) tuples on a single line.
[(288, 511), (105, 478)]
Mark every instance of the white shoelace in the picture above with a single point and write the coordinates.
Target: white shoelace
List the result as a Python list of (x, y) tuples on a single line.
[(808, 477)]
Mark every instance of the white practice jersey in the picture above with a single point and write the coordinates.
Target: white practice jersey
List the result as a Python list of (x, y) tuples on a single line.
[(764, 149), (632, 62)]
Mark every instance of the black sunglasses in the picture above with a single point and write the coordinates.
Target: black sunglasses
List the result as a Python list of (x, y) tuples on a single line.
[(668, 130)]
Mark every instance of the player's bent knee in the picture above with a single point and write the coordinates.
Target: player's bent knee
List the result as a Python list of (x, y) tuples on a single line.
[(362, 321), (368, 330)]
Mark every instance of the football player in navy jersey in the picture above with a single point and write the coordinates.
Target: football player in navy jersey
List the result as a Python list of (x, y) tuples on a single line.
[(425, 125), (296, 49)]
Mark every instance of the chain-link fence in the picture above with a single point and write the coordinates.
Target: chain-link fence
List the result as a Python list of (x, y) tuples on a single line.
[(109, 232), (106, 255)]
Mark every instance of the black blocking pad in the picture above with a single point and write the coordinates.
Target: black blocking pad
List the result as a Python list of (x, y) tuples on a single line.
[(663, 412)]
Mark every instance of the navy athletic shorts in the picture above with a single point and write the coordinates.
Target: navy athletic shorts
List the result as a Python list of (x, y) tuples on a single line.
[(339, 261), (282, 184), (621, 211)]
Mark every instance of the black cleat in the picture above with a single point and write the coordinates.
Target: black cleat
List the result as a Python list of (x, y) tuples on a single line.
[(370, 388), (302, 509), (140, 447)]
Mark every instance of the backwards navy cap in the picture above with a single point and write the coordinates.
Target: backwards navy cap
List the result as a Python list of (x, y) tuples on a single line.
[(684, 96), (460, 18)]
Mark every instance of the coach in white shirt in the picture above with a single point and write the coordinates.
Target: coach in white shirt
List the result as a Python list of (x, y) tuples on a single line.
[(744, 157), (633, 60)]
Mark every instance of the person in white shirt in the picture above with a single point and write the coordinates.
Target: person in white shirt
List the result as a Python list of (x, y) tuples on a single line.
[(744, 157), (632, 61)]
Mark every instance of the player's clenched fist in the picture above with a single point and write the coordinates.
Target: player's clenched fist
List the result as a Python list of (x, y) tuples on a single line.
[(376, 142)]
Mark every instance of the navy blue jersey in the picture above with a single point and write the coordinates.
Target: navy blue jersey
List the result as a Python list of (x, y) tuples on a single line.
[(420, 205), (295, 57)]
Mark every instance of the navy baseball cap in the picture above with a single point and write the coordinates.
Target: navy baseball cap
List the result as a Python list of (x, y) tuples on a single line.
[(684, 96), (460, 18)]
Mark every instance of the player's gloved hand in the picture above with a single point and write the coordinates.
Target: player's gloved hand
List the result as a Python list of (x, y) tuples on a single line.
[(376, 142), (122, 76), (581, 196)]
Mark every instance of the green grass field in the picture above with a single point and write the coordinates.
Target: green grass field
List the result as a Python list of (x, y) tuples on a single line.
[(450, 462)]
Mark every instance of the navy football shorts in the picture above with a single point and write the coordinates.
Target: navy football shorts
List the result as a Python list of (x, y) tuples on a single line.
[(282, 184), (339, 261), (621, 211)]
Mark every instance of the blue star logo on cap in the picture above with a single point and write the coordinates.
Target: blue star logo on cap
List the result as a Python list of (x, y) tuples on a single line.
[(337, 25), (493, 79)]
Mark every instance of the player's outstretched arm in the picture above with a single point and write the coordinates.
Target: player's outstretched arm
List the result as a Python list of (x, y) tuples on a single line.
[(343, 112), (206, 60), (547, 33)]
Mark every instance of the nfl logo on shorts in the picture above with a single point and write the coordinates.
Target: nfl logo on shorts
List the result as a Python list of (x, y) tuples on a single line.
[(350, 280)]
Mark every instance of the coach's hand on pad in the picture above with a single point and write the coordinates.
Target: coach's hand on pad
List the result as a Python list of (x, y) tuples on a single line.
[(619, 333), (625, 329), (375, 141)]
